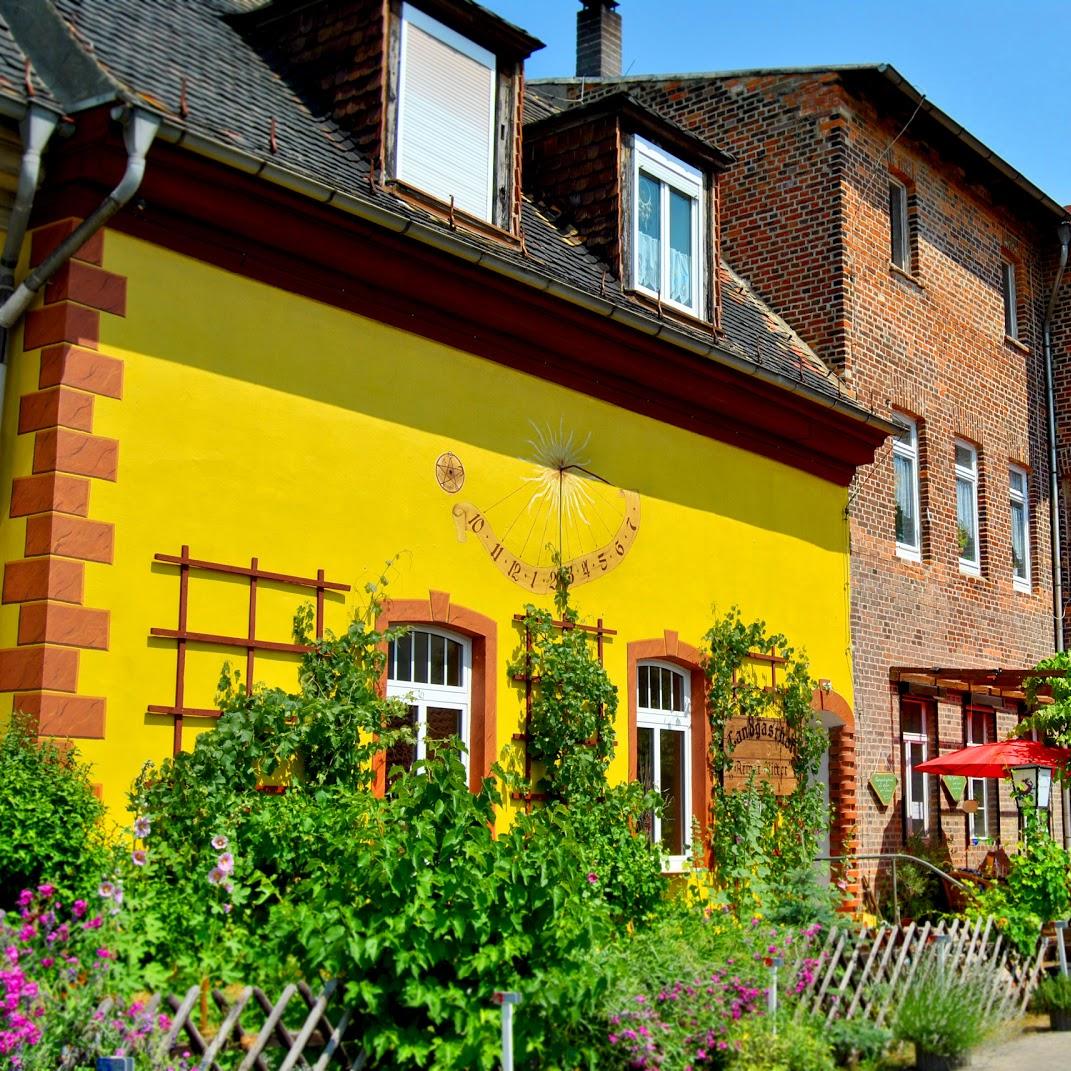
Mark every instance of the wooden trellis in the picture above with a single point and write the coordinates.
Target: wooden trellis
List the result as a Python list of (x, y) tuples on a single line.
[(528, 680), (248, 1030), (866, 973), (250, 642)]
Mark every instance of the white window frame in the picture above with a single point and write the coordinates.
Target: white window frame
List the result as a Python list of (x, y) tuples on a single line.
[(1010, 296), (675, 721), (1021, 497), (898, 214), (909, 451), (971, 566), (411, 16), (910, 803), (978, 787), (688, 181), (422, 696)]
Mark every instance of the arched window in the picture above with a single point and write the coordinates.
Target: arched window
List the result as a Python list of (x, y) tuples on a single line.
[(431, 670), (664, 750)]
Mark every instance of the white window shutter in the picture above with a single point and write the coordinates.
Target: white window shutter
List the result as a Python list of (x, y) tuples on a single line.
[(446, 114)]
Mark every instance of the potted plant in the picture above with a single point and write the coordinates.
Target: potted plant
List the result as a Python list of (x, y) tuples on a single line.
[(1053, 995), (943, 1015)]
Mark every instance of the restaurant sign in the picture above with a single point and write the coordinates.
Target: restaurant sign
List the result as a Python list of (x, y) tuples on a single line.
[(766, 746)]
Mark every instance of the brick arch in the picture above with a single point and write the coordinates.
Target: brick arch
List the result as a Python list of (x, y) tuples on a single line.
[(438, 610), (843, 784), (669, 648)]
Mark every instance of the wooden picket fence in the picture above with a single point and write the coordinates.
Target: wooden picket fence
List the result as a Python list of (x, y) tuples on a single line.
[(866, 973)]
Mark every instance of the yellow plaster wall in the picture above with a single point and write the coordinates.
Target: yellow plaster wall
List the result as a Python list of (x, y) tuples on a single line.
[(258, 423)]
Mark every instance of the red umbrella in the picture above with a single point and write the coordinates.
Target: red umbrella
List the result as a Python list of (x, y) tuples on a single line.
[(993, 760)]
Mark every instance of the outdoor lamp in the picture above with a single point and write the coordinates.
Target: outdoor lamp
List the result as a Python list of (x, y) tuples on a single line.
[(1032, 786)]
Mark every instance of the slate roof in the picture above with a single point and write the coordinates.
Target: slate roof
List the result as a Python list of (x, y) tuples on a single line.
[(160, 50), (13, 73)]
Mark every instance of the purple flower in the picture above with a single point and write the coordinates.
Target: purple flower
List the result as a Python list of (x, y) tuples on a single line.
[(47, 961), (78, 908), (25, 898), (219, 842), (138, 857), (106, 890), (215, 876), (104, 953), (142, 826), (225, 862), (593, 878), (46, 890)]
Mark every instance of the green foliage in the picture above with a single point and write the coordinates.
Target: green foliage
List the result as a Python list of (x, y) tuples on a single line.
[(856, 1040), (571, 728), (1051, 720), (763, 844), (1053, 994), (50, 820), (425, 913), (918, 888), (797, 1046), (943, 1013), (1036, 891)]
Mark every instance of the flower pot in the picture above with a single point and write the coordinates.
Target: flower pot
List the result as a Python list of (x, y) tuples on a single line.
[(931, 1061), (1060, 1018)]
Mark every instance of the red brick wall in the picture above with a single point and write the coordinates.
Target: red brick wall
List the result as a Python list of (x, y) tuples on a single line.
[(805, 218)]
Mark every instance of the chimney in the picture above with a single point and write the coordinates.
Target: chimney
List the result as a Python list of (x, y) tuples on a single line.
[(598, 40)]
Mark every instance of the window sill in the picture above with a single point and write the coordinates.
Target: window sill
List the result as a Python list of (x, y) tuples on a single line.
[(457, 218), (903, 273), (677, 864), (970, 570), (667, 311), (1022, 347), (905, 554), (1022, 588)]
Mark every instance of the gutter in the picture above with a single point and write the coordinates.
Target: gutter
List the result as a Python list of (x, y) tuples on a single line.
[(36, 128), (324, 194)]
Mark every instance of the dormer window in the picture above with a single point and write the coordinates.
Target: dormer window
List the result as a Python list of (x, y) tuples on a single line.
[(444, 140), (667, 229)]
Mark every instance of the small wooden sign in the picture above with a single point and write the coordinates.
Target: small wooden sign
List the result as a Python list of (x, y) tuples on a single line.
[(883, 785), (766, 746), (955, 786), (969, 806)]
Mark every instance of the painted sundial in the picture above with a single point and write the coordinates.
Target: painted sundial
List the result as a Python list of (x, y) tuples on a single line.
[(563, 510)]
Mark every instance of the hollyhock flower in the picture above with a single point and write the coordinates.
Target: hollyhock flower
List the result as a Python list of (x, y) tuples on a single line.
[(138, 857), (225, 862), (142, 826), (106, 890), (220, 842), (215, 876)]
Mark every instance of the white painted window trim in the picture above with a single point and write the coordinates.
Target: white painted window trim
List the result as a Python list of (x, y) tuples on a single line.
[(907, 739), (676, 721), (971, 566), (422, 696), (411, 16), (911, 453), (1010, 298), (1022, 583), (687, 180), (899, 215), (979, 786)]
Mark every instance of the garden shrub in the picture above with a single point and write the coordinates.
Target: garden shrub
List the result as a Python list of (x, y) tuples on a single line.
[(918, 888), (51, 823), (1052, 994), (856, 1040), (944, 1014), (796, 1046)]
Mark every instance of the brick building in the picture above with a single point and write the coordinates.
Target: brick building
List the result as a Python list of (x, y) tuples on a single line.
[(919, 266)]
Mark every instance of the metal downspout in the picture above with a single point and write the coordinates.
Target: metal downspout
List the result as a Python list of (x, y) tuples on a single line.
[(141, 128), (1054, 482), (36, 128)]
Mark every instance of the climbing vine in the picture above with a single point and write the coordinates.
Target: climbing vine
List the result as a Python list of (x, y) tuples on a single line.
[(759, 839)]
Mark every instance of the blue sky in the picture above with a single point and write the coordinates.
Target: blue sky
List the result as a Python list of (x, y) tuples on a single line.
[(1001, 70)]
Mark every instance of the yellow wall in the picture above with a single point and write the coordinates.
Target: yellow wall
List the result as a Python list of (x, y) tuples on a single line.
[(257, 423)]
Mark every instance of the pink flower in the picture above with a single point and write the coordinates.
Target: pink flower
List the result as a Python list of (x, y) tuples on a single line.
[(46, 890), (25, 898), (215, 876), (93, 923), (106, 890), (47, 961), (142, 826), (593, 878), (219, 842), (138, 857), (104, 953), (225, 862), (78, 908)]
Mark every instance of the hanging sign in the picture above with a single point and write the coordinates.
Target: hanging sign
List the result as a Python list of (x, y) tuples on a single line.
[(766, 746), (883, 784), (955, 786)]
